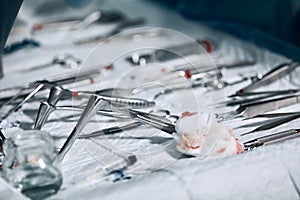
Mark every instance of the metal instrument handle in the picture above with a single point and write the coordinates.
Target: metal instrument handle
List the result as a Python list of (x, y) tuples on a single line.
[(270, 139)]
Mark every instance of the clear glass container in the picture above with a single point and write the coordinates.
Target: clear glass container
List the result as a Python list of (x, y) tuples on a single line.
[(29, 164)]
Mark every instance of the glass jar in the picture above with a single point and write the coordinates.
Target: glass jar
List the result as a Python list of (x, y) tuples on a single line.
[(29, 163)]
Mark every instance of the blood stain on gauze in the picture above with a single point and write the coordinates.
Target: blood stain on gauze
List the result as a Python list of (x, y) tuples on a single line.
[(193, 133)]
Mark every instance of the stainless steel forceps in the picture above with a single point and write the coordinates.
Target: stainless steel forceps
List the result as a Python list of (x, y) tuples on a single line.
[(249, 97), (150, 119), (254, 108), (271, 76), (163, 116)]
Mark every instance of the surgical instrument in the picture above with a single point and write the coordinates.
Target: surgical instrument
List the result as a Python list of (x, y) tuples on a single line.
[(270, 139)]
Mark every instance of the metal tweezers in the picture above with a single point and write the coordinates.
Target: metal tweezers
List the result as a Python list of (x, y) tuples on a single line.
[(271, 76), (149, 119), (249, 97), (261, 106)]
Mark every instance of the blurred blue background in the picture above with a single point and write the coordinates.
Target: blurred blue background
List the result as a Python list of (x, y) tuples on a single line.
[(272, 24)]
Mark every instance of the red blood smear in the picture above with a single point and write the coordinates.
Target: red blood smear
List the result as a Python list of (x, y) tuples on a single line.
[(91, 81), (75, 94), (207, 45), (195, 147), (221, 150), (163, 70), (188, 74), (241, 91), (230, 131), (240, 148), (188, 114), (108, 67), (38, 27)]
